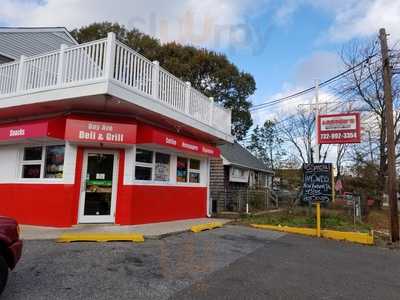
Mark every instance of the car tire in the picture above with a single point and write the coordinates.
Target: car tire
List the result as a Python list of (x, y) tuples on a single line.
[(3, 273)]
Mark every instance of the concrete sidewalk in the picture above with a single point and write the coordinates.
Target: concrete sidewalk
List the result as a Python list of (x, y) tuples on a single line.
[(153, 230)]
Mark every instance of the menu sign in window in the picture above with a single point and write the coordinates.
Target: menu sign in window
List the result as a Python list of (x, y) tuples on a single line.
[(102, 132), (317, 182)]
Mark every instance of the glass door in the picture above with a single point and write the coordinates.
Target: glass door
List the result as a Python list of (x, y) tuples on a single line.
[(98, 188)]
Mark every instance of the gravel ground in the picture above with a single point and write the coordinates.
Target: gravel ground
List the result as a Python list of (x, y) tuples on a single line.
[(230, 263), (155, 269)]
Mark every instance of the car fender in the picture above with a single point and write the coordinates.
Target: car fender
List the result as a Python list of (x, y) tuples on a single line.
[(5, 242)]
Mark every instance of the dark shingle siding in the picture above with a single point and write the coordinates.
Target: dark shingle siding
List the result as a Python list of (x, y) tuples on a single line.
[(217, 183)]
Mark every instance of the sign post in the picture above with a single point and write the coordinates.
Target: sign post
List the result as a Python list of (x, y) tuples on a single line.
[(318, 219), (344, 128)]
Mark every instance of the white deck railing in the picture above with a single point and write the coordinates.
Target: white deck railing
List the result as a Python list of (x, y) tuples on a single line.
[(108, 59)]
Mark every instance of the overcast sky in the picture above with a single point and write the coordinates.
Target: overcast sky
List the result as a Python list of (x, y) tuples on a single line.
[(285, 44)]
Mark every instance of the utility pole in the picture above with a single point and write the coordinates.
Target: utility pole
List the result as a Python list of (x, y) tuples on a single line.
[(391, 155), (316, 118)]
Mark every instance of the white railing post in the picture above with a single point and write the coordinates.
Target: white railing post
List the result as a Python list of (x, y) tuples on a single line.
[(60, 69), (21, 76), (110, 56), (229, 122), (187, 96), (155, 79), (211, 111)]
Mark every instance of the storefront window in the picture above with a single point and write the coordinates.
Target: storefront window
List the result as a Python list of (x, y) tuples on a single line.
[(33, 153), (161, 171), (144, 156), (33, 162), (147, 161), (181, 169), (143, 173), (144, 164), (31, 171), (156, 167), (188, 170), (54, 161), (194, 172)]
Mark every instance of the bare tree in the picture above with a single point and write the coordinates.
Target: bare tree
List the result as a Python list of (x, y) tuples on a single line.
[(341, 152), (364, 84), (299, 131)]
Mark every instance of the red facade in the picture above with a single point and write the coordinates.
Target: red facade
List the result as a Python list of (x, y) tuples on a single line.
[(57, 204)]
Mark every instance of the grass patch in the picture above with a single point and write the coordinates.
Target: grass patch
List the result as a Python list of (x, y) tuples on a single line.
[(306, 218)]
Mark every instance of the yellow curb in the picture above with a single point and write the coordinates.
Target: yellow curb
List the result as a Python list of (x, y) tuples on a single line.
[(208, 226), (355, 237), (297, 230), (100, 237)]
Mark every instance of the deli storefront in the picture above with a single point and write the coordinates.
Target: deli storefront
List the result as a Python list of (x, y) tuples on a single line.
[(77, 169)]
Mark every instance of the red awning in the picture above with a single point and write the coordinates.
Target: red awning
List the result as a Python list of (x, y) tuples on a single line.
[(52, 128), (151, 135)]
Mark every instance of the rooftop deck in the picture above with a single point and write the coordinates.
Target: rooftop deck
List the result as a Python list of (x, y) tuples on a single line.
[(107, 66)]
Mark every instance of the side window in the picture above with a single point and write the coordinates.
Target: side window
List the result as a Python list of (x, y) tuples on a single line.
[(144, 164), (156, 167), (194, 171), (188, 170), (54, 166), (161, 168), (43, 162), (32, 162), (181, 169)]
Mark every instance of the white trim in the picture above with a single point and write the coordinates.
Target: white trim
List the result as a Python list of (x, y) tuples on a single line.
[(38, 182), (209, 203), (166, 184), (82, 193), (12, 168), (54, 93), (101, 86)]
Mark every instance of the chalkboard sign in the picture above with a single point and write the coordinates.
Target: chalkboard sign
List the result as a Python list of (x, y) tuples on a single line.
[(317, 184)]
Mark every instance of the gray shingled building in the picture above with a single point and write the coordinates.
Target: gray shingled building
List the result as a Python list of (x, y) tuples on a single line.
[(15, 42), (236, 177)]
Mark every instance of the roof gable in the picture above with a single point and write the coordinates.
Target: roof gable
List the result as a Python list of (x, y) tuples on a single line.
[(15, 42), (235, 154)]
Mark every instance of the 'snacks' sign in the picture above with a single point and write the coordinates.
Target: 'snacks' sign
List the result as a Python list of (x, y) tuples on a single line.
[(339, 128), (100, 132), (38, 129), (317, 184)]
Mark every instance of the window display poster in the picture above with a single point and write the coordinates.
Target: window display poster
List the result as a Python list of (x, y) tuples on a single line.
[(161, 172)]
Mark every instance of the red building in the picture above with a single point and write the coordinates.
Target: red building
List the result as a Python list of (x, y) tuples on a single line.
[(96, 133)]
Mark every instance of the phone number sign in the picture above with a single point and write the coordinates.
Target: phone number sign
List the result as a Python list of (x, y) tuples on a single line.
[(339, 128)]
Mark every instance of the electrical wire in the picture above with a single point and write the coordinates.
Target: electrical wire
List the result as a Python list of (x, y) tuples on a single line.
[(306, 91)]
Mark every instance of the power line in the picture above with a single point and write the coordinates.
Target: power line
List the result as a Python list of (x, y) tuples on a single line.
[(300, 93)]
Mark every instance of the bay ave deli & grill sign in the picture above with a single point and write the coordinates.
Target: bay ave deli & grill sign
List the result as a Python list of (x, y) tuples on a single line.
[(317, 183), (339, 128), (101, 132)]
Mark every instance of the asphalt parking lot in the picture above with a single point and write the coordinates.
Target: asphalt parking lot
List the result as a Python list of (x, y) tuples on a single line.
[(229, 263)]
